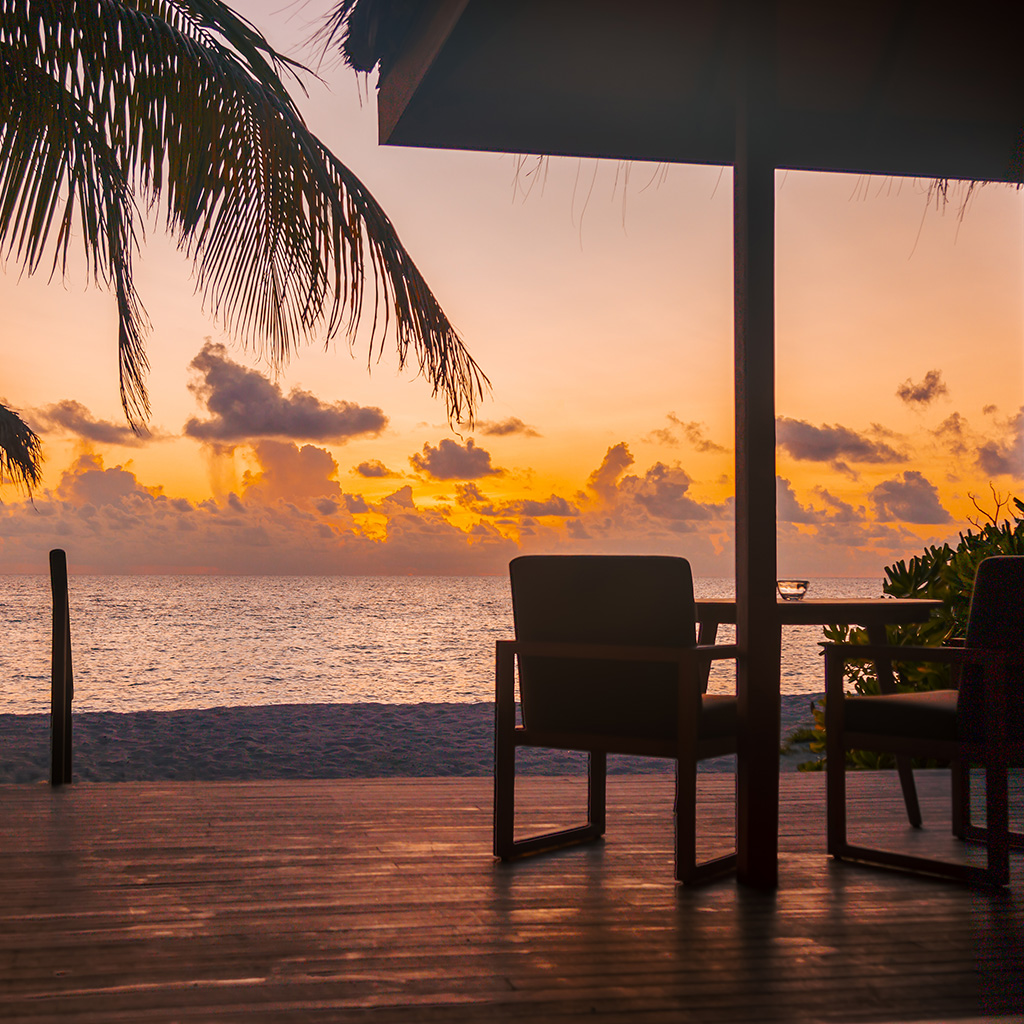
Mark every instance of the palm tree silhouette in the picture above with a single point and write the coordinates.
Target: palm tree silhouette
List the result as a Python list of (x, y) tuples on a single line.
[(110, 107)]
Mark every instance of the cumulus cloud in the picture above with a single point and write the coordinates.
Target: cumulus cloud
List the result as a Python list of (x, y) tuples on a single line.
[(662, 493), (923, 393), (553, 506), (692, 431), (71, 417), (470, 496), (374, 469), (910, 498), (788, 507), (604, 480), (88, 482), (402, 498), (453, 461), (839, 511), (1004, 457), (502, 428), (835, 510), (291, 473), (832, 444), (356, 504), (634, 510), (953, 432), (245, 405)]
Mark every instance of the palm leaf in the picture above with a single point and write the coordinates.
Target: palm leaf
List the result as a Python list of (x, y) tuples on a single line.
[(110, 104), (20, 451)]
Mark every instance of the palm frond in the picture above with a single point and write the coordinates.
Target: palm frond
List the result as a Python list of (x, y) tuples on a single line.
[(368, 32), (180, 104), (20, 451)]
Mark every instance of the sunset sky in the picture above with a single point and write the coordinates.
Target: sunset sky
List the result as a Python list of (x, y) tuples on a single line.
[(597, 297)]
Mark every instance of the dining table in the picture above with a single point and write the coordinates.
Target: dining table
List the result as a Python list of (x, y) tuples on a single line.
[(757, 823), (873, 613)]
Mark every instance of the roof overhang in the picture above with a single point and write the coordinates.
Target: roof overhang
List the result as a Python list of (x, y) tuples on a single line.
[(900, 88)]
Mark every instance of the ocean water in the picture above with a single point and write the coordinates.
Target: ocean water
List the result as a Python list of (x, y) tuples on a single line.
[(167, 642)]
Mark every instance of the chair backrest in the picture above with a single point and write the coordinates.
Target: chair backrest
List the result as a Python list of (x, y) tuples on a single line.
[(995, 622), (632, 600)]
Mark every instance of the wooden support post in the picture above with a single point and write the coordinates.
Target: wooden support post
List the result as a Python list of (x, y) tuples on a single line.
[(757, 622), (61, 680)]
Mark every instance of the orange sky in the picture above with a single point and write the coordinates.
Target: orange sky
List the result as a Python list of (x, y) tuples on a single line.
[(598, 298)]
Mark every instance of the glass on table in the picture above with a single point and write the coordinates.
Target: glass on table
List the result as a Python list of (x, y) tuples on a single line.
[(792, 590)]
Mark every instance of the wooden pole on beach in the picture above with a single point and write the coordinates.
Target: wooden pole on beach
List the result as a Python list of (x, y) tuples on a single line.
[(61, 682)]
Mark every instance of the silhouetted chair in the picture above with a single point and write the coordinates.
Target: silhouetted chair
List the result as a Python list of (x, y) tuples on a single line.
[(979, 723), (608, 663)]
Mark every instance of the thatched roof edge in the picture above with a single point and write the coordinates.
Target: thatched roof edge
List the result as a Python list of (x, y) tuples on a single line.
[(371, 32)]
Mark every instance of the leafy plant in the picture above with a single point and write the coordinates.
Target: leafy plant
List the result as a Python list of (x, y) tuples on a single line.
[(940, 573)]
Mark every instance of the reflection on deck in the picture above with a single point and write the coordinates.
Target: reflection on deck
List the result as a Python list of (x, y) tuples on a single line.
[(378, 900)]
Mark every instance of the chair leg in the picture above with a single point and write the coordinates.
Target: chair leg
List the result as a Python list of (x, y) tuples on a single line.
[(597, 777), (910, 801), (997, 822), (504, 793), (960, 782), (835, 800), (506, 846), (688, 870), (686, 820), (969, 832), (835, 757)]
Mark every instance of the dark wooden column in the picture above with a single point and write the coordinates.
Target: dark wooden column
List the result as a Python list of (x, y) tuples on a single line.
[(757, 624)]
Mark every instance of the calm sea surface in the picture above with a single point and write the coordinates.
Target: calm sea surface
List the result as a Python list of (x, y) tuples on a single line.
[(164, 642)]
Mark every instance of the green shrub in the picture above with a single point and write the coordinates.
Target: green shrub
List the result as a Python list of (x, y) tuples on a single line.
[(939, 573)]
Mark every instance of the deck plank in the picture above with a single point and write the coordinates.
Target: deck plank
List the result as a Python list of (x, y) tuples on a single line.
[(378, 900)]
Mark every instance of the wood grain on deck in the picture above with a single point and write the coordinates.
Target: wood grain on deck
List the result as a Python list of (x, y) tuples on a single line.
[(378, 900)]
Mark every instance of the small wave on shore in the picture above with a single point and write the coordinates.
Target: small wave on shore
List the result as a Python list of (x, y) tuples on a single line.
[(302, 741)]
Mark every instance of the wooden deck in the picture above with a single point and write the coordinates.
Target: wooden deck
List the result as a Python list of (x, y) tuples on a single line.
[(378, 900)]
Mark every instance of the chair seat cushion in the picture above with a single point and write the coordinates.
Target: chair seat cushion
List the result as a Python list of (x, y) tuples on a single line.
[(930, 715), (718, 716), (650, 714)]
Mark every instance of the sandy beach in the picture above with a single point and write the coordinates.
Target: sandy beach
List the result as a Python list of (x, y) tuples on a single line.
[(300, 741)]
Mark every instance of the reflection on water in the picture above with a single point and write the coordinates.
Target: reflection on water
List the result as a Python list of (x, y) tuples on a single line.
[(163, 642)]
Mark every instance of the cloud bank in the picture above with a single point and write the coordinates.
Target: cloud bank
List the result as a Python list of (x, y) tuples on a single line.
[(71, 417), (835, 445), (244, 405)]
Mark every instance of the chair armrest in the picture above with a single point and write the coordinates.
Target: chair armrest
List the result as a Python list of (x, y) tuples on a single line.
[(895, 652), (506, 652), (946, 655), (618, 652), (715, 652)]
